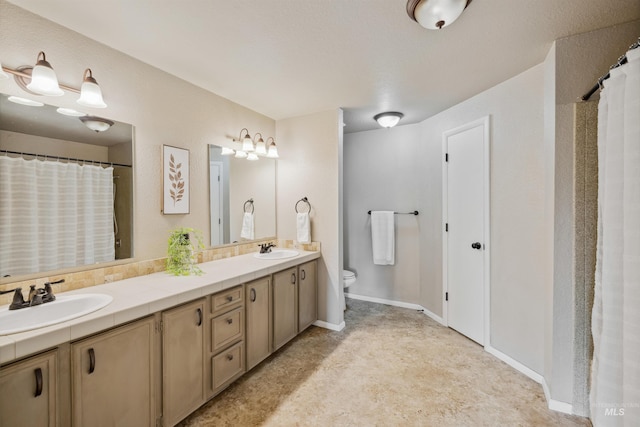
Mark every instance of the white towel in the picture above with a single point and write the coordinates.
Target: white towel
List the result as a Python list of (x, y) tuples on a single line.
[(247, 226), (382, 237), (303, 225)]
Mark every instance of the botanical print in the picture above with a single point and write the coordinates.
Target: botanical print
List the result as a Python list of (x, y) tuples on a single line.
[(175, 182)]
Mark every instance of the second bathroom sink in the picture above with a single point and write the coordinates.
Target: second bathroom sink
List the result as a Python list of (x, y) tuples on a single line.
[(277, 254)]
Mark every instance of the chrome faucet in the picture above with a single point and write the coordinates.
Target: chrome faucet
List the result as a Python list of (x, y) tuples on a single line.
[(36, 296), (266, 247)]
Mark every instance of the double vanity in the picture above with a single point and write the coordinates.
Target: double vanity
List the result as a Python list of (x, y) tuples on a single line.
[(161, 348)]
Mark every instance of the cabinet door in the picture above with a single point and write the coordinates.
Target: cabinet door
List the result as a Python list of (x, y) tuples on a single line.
[(28, 392), (285, 313), (113, 377), (307, 295), (182, 361), (258, 297)]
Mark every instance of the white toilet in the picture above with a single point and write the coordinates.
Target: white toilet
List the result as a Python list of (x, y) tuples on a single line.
[(348, 278)]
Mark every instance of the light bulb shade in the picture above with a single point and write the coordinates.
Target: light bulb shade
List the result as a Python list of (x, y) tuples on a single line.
[(252, 156), (261, 148), (3, 75), (70, 112), (90, 93), (388, 119), (436, 14), (273, 151), (247, 144), (241, 154), (43, 79), (97, 124), (226, 151), (25, 101)]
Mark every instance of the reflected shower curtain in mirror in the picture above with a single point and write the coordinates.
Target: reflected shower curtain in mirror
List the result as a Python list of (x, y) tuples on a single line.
[(615, 375), (69, 218)]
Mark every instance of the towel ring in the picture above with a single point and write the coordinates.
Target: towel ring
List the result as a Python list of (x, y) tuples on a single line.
[(304, 200), (250, 203)]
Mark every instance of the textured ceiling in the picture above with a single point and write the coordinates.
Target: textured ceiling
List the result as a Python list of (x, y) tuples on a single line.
[(285, 58)]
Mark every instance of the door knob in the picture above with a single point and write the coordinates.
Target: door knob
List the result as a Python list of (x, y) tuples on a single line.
[(476, 245)]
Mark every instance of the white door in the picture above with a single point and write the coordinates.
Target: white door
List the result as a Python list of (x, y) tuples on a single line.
[(215, 199), (466, 229)]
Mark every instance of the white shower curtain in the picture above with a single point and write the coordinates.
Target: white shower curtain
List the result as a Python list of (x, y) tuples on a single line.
[(615, 376), (54, 215)]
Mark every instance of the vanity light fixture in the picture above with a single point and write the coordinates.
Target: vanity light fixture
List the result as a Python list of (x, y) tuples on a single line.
[(70, 112), (90, 93), (95, 123), (261, 147), (388, 119), (436, 14), (226, 151), (247, 142), (25, 101), (42, 80), (252, 156), (273, 150), (241, 154)]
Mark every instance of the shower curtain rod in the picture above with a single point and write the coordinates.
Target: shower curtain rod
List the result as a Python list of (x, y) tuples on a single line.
[(47, 156), (622, 60)]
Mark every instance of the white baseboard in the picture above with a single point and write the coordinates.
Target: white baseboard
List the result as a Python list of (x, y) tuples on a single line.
[(397, 304), (556, 405), (330, 326)]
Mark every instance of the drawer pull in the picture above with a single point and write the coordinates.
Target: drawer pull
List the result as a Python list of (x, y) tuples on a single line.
[(253, 295), (229, 298), (92, 361), (229, 321), (38, 373), (199, 316), (293, 278), (303, 275), (229, 357)]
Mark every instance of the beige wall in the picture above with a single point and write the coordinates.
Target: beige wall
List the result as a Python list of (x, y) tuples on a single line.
[(162, 108), (310, 150)]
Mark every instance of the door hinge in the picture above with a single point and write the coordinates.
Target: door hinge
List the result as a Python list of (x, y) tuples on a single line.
[(446, 227), (446, 157), (446, 296)]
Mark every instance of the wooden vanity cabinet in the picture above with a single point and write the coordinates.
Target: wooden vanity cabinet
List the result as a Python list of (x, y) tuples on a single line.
[(113, 377), (307, 295), (258, 308), (285, 306), (28, 392), (183, 337)]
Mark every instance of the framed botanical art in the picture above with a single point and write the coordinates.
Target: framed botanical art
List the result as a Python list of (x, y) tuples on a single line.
[(175, 180)]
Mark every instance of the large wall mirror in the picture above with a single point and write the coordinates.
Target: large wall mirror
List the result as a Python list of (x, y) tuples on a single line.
[(237, 186), (66, 191)]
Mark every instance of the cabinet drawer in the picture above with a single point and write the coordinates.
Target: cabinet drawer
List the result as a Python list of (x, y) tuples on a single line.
[(225, 300), (227, 365), (227, 328)]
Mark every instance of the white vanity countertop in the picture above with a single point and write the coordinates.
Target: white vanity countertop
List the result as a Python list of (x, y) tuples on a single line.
[(140, 296)]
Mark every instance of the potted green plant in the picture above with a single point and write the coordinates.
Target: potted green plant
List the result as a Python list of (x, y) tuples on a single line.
[(181, 252)]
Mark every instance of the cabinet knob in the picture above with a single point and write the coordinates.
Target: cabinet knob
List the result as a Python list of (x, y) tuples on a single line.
[(229, 298), (229, 357), (38, 373), (229, 321)]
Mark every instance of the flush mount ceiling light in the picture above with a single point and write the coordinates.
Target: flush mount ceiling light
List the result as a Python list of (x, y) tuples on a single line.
[(436, 14), (388, 119), (95, 123), (42, 80)]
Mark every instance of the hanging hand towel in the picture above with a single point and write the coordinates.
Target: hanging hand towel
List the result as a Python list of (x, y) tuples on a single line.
[(382, 237), (247, 226), (304, 227)]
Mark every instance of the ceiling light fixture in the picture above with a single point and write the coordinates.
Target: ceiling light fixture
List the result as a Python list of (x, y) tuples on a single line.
[(247, 142), (436, 14), (42, 80), (261, 147), (388, 119), (273, 150), (95, 123), (250, 151)]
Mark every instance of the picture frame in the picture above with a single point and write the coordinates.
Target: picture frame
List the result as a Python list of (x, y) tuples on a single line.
[(175, 180)]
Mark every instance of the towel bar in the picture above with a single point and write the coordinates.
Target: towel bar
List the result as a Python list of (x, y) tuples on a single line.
[(305, 200), (401, 213)]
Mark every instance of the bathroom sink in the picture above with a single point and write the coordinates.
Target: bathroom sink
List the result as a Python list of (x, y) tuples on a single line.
[(62, 309), (277, 254)]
